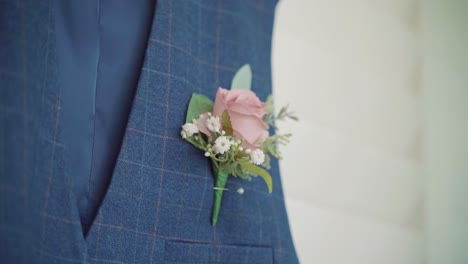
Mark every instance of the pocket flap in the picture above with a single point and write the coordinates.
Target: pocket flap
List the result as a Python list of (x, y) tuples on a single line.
[(186, 252)]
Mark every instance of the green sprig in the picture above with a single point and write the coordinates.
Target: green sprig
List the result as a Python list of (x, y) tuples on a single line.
[(270, 145), (270, 118)]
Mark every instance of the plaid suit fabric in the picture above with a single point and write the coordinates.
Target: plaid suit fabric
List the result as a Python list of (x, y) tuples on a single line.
[(37, 223), (158, 206)]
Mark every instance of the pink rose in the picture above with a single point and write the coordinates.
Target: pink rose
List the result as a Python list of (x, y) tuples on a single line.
[(246, 113)]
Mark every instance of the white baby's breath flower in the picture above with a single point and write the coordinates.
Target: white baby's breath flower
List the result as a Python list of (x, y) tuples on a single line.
[(222, 144), (207, 154), (257, 157), (213, 124), (248, 151), (190, 129), (241, 148)]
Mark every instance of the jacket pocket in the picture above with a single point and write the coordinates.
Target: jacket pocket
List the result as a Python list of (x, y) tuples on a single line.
[(197, 253)]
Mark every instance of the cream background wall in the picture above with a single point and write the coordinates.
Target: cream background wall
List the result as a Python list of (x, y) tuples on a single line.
[(445, 139), (353, 171)]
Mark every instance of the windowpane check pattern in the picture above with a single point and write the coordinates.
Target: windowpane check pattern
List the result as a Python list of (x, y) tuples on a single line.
[(157, 208)]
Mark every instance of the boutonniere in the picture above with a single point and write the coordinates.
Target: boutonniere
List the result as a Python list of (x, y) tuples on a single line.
[(233, 133)]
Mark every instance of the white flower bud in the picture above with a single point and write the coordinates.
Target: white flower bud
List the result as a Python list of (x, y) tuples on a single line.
[(213, 124), (222, 144), (190, 129), (257, 157)]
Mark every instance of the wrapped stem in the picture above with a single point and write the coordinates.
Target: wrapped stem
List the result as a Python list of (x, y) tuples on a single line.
[(220, 182)]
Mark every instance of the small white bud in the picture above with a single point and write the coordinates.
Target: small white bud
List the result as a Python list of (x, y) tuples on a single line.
[(222, 145), (248, 151), (241, 148), (257, 157), (223, 132), (207, 154), (213, 124), (190, 129)]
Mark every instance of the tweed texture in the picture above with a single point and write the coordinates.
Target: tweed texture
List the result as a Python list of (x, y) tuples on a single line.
[(157, 208)]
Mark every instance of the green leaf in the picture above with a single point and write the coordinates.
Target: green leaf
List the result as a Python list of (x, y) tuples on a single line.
[(243, 78), (269, 105), (198, 105), (267, 163), (270, 145), (256, 170), (226, 122), (285, 113)]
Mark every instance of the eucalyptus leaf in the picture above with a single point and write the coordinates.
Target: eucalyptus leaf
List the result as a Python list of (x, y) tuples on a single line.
[(226, 121), (242, 79), (256, 170), (198, 105)]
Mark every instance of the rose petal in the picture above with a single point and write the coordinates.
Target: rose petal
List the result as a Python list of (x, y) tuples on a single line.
[(251, 128), (220, 102), (245, 143), (201, 124), (242, 101), (244, 108)]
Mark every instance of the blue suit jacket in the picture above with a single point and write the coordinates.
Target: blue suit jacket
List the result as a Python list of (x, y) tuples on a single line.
[(93, 170)]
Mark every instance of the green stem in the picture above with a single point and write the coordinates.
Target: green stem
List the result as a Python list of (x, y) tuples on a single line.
[(220, 182)]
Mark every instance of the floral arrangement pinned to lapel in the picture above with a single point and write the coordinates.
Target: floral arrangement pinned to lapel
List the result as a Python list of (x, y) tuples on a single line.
[(233, 133)]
